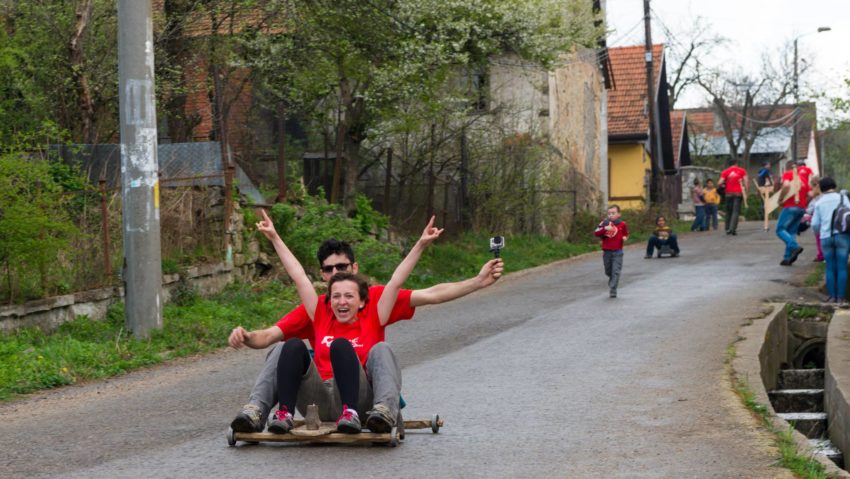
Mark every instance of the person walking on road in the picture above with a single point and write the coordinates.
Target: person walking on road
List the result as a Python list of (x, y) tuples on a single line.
[(712, 201), (614, 232), (734, 178), (795, 192), (836, 246), (698, 199)]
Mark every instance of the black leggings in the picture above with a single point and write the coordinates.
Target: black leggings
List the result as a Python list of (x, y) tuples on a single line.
[(295, 360)]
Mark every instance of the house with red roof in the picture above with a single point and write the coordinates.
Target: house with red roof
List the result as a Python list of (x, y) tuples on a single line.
[(774, 127), (630, 154)]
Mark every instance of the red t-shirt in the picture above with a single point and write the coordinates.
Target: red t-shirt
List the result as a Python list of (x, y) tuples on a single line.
[(297, 324), (800, 200), (734, 176), (805, 175), (363, 333), (612, 241)]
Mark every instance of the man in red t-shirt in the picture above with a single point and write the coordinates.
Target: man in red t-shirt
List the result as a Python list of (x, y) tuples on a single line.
[(795, 196), (334, 256), (735, 179)]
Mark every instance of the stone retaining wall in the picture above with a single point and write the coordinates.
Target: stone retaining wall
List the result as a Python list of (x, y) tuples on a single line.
[(49, 313), (837, 380)]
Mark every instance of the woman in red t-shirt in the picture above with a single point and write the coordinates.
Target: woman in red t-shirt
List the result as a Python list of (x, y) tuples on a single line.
[(345, 333)]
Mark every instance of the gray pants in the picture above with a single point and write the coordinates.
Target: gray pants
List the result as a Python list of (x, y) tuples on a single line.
[(613, 261), (380, 383), (733, 210)]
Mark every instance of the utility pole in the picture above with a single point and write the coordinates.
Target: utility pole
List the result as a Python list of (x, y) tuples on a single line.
[(650, 105), (796, 108), (139, 169)]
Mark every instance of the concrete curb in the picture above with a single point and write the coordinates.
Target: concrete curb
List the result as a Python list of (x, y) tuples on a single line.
[(752, 351)]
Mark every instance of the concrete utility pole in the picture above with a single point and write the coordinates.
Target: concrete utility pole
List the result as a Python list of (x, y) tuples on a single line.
[(650, 106), (139, 168)]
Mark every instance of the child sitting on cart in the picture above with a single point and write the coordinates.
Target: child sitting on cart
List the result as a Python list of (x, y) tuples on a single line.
[(663, 236)]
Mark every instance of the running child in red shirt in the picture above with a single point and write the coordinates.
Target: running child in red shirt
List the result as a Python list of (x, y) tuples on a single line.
[(614, 232)]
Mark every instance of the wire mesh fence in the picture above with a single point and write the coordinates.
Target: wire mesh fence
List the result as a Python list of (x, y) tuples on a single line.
[(193, 210)]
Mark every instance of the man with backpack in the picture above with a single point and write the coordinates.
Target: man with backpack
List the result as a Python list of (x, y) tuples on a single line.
[(795, 194), (831, 219)]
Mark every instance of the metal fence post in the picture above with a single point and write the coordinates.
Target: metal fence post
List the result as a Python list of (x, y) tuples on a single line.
[(104, 224)]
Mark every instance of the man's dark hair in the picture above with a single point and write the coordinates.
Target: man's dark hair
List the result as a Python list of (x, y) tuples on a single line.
[(359, 280), (334, 246), (827, 183), (732, 162)]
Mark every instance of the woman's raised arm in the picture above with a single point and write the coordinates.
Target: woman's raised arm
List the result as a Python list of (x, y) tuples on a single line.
[(403, 270), (293, 267)]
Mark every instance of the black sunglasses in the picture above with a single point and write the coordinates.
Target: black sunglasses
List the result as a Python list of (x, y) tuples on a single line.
[(328, 268)]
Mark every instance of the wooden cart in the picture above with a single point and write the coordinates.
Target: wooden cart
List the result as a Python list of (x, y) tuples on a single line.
[(326, 433)]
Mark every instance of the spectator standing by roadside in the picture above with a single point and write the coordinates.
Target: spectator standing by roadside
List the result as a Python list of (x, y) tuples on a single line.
[(734, 178), (836, 246), (699, 223), (793, 208), (614, 232), (712, 201)]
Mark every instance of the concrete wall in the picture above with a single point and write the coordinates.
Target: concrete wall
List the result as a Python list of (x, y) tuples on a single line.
[(629, 167), (837, 380)]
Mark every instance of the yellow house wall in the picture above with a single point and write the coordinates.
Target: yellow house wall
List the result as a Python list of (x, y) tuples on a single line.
[(627, 169)]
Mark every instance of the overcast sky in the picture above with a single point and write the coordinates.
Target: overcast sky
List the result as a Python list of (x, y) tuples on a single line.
[(752, 26)]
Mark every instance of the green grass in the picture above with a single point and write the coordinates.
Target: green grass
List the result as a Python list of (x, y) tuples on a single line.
[(789, 456), (815, 277), (83, 349)]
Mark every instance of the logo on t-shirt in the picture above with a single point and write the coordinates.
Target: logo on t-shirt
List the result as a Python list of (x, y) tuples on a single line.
[(327, 340)]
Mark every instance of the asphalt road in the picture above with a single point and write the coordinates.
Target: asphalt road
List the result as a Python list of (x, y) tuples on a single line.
[(541, 375)]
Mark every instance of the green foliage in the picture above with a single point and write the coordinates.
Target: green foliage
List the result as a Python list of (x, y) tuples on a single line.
[(170, 266), (34, 227), (367, 219), (84, 349), (816, 276), (754, 210), (791, 458), (304, 228), (38, 80)]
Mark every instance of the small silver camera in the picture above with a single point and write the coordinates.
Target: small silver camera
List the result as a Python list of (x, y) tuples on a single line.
[(496, 245)]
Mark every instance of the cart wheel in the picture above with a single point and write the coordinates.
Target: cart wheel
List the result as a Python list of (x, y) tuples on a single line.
[(400, 425), (394, 437), (435, 423), (231, 437)]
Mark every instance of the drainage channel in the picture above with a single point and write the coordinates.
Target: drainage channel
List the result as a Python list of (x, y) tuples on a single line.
[(799, 394), (798, 400)]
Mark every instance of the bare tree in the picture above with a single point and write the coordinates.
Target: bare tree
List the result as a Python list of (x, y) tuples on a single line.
[(684, 56), (747, 105)]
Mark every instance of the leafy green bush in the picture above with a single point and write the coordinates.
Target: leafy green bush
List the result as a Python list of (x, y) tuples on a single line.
[(306, 226), (35, 227)]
